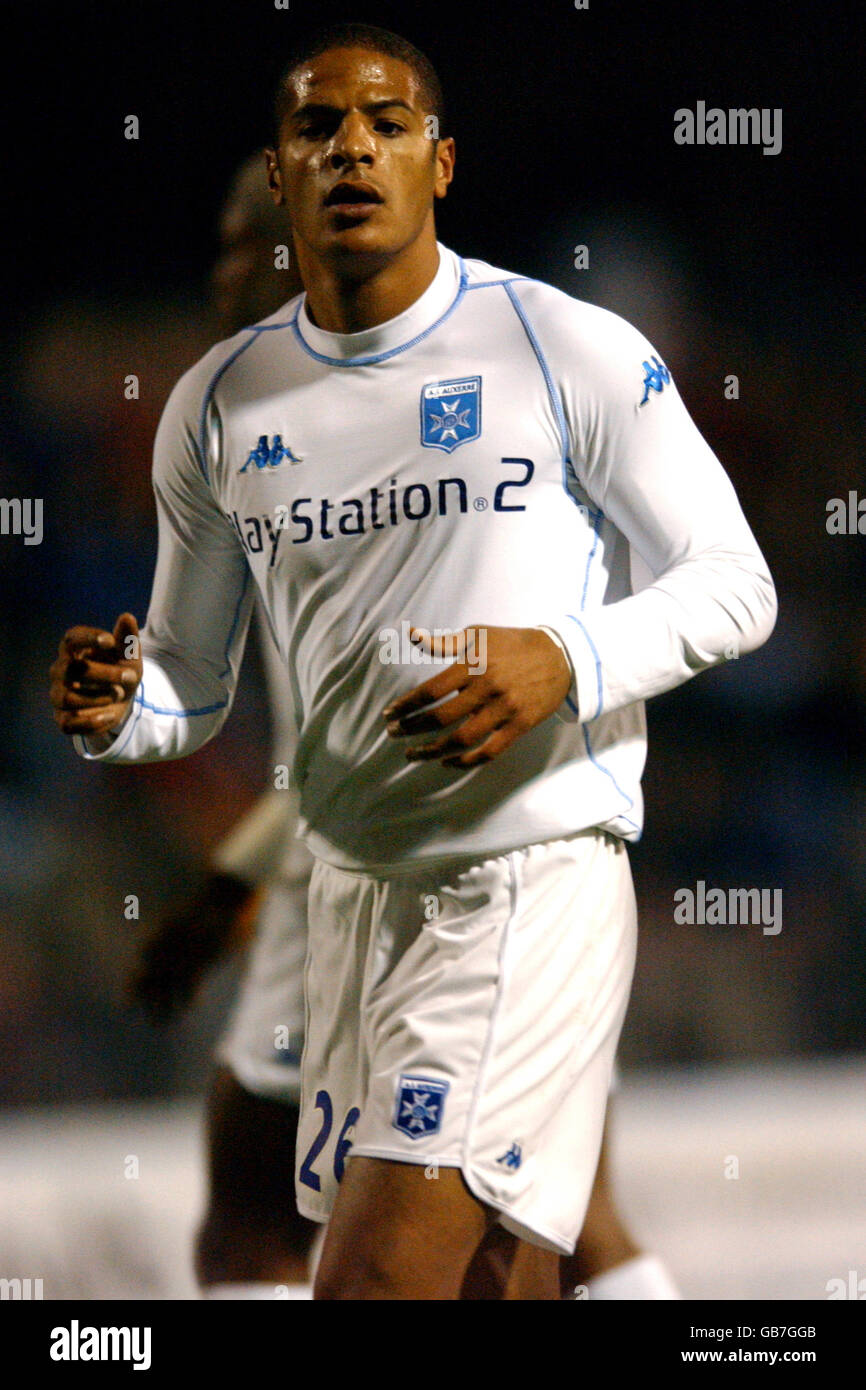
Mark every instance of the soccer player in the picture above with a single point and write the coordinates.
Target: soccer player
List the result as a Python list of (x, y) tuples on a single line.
[(425, 463), (252, 1239)]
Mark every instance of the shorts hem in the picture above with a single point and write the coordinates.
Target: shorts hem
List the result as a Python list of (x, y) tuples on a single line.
[(535, 1235), (303, 1210), (400, 1156)]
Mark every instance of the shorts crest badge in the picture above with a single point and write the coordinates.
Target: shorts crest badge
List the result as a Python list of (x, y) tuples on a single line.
[(420, 1104), (450, 413)]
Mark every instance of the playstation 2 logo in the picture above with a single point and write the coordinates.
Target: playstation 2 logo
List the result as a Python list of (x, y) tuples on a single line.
[(450, 413), (266, 455)]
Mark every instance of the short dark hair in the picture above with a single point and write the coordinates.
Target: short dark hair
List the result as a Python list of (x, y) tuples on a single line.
[(378, 41)]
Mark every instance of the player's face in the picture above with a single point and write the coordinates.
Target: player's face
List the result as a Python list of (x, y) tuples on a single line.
[(356, 166)]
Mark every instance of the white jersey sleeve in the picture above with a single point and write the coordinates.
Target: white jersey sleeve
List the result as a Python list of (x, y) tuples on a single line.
[(193, 641), (701, 589)]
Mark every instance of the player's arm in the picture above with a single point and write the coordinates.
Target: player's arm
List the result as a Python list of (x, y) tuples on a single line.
[(709, 598), (705, 594), (191, 647)]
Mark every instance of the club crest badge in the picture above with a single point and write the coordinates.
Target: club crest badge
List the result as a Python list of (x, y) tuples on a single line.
[(420, 1105), (450, 413)]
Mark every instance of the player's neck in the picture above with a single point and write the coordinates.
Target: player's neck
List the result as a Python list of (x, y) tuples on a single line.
[(341, 303)]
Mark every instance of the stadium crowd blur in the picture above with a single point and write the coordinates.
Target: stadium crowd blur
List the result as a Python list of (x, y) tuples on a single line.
[(755, 775)]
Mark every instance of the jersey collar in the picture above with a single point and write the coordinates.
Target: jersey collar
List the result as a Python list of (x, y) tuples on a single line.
[(372, 344)]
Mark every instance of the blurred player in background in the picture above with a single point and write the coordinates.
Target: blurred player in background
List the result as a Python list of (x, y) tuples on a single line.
[(253, 1237)]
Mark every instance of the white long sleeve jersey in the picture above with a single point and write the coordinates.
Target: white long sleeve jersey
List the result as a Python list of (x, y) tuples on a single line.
[(497, 455)]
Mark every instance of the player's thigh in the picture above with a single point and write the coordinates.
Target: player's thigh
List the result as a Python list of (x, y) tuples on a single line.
[(397, 1232), (507, 1268)]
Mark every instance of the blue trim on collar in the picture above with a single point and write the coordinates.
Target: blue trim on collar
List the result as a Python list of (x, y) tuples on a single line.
[(373, 358)]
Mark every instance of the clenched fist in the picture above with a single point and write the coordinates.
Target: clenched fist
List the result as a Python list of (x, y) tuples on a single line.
[(95, 677)]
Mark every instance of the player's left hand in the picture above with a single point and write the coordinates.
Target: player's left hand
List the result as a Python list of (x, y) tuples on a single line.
[(526, 678)]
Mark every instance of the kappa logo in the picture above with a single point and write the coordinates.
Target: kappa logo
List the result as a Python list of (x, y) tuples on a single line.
[(420, 1105), (656, 379), (266, 455), (512, 1158), (450, 413)]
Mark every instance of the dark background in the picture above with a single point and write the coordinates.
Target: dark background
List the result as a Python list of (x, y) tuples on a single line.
[(729, 260)]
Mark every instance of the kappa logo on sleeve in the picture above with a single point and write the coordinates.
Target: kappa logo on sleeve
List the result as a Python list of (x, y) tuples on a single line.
[(420, 1105), (656, 379), (450, 413)]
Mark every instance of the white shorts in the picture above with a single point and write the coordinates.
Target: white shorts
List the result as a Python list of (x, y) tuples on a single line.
[(467, 1015), (264, 1038)]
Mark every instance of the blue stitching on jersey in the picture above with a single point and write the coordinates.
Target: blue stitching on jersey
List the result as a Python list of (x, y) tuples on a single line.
[(205, 709), (597, 662), (566, 462), (254, 330), (184, 713), (210, 709), (208, 395), (545, 370), (555, 399), (609, 774), (486, 284), (392, 352), (232, 629), (119, 744), (596, 524)]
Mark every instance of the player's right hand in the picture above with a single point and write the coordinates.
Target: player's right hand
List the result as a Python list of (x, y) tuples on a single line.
[(192, 936), (95, 677)]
